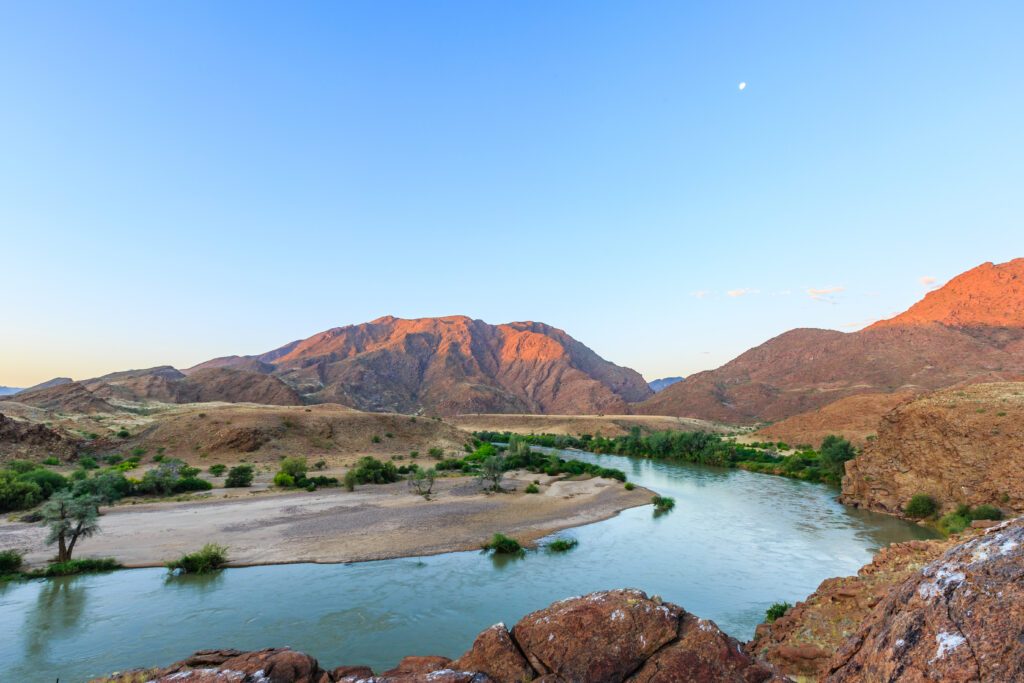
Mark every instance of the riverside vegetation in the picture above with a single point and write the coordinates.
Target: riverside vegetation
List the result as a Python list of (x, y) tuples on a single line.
[(824, 465)]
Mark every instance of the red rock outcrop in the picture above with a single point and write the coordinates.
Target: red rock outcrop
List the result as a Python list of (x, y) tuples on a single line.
[(611, 636), (959, 619), (855, 418), (971, 330), (68, 397), (802, 642), (19, 439), (960, 445), (452, 365)]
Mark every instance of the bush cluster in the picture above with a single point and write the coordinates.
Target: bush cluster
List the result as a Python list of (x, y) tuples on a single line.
[(776, 610), (561, 545), (24, 485), (502, 544), (663, 503), (209, 558), (369, 470), (961, 518), (239, 476), (921, 505)]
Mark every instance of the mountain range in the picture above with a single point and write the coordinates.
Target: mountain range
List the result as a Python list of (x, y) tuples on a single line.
[(970, 330)]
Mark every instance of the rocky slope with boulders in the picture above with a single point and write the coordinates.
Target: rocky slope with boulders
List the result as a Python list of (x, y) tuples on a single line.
[(20, 439), (961, 446), (970, 330)]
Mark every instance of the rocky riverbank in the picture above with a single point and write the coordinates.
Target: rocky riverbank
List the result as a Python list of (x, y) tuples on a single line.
[(944, 610)]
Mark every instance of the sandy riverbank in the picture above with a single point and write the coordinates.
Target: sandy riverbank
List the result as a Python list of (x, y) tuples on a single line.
[(334, 525)]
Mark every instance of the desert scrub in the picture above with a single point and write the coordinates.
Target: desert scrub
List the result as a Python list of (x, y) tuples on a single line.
[(533, 488), (10, 562), (284, 480), (920, 506), (629, 486), (209, 558), (961, 518), (776, 610), (561, 545), (663, 503), (218, 469), (239, 476), (502, 544)]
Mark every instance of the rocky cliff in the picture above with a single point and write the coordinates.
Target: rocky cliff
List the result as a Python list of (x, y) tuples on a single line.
[(447, 366), (960, 446)]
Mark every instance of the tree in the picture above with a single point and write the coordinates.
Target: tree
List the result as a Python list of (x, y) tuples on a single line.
[(422, 481), (835, 451), (492, 469), (69, 518)]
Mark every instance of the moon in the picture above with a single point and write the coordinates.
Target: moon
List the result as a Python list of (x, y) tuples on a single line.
[(743, 85)]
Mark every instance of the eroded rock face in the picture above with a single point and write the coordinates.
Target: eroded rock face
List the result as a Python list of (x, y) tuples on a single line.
[(960, 619), (960, 446), (802, 642), (611, 636), (20, 439)]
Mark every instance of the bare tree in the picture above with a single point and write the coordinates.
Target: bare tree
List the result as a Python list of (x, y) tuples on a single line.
[(70, 518)]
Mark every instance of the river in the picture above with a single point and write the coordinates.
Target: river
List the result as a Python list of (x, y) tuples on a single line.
[(735, 543)]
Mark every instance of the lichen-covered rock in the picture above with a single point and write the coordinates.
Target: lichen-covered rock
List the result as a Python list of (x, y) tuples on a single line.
[(274, 665), (959, 619), (803, 641), (599, 637), (497, 655)]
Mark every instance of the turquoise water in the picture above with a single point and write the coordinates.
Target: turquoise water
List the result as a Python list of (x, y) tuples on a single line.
[(735, 543)]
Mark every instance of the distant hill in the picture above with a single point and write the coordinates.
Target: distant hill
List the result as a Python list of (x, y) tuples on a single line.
[(447, 366), (663, 383), (8, 391), (970, 330)]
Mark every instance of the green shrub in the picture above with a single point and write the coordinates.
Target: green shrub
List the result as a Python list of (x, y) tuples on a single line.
[(629, 486), (10, 562), (375, 439), (320, 465), (390, 435), (159, 457), (776, 610), (21, 466), (51, 461), (84, 566), (663, 503), (953, 523), (533, 488), (16, 494), (239, 476), (209, 558), (986, 512), (435, 453), (921, 505), (87, 463), (138, 452), (113, 459), (192, 484), (123, 433), (562, 545), (218, 469), (108, 487), (351, 479), (296, 468), (369, 470), (48, 481), (502, 544), (284, 480)]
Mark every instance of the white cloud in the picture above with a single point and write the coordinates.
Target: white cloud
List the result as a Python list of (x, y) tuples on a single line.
[(742, 292), (824, 293), (928, 281), (700, 293), (743, 85)]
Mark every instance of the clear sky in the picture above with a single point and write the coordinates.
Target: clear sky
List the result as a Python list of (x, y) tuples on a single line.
[(183, 180)]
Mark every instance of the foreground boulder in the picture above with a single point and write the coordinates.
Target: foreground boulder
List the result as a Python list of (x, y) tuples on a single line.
[(959, 619), (611, 636)]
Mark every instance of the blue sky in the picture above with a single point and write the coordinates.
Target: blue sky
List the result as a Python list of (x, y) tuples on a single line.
[(185, 180)]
